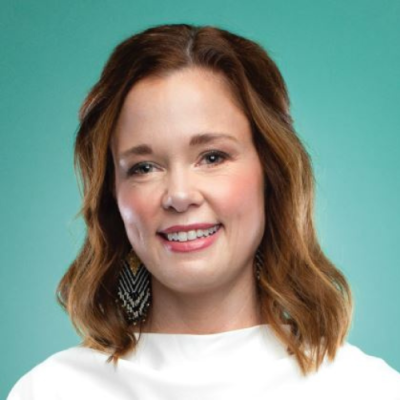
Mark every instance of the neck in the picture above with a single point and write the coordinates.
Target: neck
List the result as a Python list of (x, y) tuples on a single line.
[(220, 310)]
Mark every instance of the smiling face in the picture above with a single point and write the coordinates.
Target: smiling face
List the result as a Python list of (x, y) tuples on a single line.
[(185, 162)]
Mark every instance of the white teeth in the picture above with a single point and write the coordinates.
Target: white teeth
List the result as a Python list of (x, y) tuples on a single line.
[(191, 235), (182, 236)]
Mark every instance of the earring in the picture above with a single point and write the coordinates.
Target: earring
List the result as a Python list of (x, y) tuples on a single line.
[(259, 263), (134, 289)]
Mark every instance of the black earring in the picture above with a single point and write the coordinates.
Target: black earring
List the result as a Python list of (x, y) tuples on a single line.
[(134, 289), (258, 263)]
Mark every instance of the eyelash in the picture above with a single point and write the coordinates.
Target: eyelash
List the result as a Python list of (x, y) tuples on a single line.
[(222, 155), (217, 153)]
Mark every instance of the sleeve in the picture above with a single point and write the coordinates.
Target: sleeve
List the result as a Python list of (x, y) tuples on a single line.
[(35, 385), (22, 390), (368, 377)]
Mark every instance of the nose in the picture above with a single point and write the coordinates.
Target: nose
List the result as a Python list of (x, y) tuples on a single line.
[(181, 192)]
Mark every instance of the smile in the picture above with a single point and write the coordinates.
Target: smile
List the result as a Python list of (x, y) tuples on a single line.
[(191, 235), (194, 240)]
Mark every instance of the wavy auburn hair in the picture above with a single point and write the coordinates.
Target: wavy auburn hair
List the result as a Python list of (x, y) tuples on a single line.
[(299, 287)]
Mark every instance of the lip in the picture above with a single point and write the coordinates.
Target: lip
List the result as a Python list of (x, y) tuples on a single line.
[(190, 245), (187, 228)]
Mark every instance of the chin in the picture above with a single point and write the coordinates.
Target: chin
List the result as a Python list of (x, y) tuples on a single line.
[(195, 284)]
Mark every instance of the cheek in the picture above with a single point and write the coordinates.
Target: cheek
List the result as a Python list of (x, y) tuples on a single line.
[(136, 211), (244, 199)]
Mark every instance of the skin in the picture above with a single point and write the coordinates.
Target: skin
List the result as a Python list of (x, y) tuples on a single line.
[(212, 289)]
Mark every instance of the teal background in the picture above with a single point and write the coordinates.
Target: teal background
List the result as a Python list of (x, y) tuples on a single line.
[(341, 61)]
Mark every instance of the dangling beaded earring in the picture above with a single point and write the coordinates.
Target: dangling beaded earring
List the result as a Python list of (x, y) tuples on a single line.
[(134, 289), (259, 263)]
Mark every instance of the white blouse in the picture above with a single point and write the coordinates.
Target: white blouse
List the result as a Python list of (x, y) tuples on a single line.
[(243, 364)]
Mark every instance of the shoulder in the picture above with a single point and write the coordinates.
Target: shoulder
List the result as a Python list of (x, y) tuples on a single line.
[(351, 358), (64, 368), (362, 374)]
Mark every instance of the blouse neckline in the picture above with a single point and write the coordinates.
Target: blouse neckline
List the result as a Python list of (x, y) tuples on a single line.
[(166, 350)]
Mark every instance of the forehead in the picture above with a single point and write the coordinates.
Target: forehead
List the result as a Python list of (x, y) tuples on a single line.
[(193, 82), (182, 103)]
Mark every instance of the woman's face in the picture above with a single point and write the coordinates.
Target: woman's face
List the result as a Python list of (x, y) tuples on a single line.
[(185, 165)]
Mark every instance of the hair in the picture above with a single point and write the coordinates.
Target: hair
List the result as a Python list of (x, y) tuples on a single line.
[(299, 287)]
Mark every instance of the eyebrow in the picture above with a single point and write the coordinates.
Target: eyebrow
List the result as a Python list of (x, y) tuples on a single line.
[(196, 140)]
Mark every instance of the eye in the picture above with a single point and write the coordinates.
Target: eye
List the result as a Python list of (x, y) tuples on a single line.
[(142, 168), (214, 157)]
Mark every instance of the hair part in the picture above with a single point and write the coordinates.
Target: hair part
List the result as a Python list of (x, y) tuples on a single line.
[(299, 287)]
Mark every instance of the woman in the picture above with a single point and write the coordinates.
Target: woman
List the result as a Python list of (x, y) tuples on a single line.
[(201, 275)]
